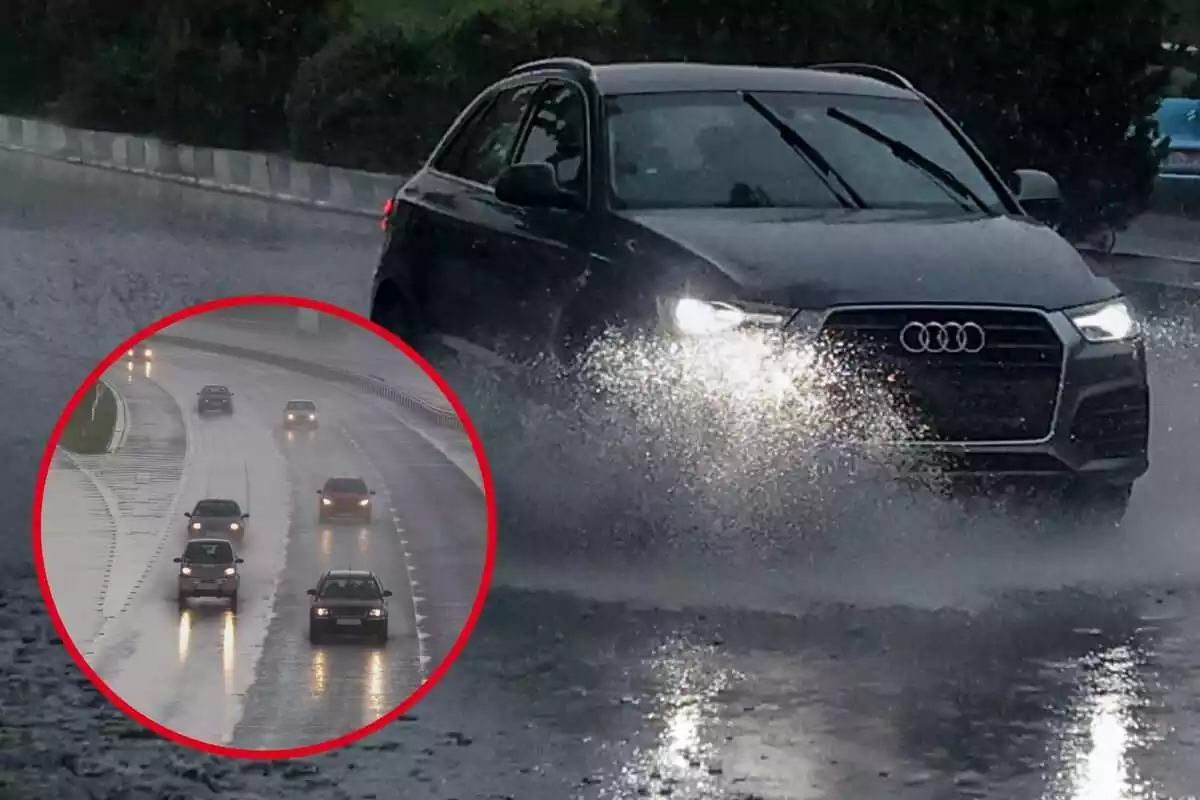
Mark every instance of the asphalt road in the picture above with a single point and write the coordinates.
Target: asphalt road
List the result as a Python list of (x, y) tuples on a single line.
[(252, 679), (907, 650)]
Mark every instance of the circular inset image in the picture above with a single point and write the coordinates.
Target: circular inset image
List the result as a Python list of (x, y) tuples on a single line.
[(264, 527)]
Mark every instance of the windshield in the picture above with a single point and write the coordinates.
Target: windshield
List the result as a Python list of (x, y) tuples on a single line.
[(348, 485), (217, 508), (351, 589), (712, 150), (215, 390), (209, 553), (301, 405)]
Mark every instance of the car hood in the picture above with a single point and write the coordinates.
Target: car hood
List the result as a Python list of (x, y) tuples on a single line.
[(215, 520), (816, 258), (346, 495), (337, 601)]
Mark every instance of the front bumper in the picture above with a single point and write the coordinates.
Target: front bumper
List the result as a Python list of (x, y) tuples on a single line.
[(299, 422), (210, 587), (349, 625), (344, 512), (219, 407)]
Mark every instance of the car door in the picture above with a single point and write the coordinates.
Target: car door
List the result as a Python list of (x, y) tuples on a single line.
[(455, 195), (533, 265)]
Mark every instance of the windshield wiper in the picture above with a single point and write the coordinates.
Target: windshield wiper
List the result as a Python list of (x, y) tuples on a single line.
[(933, 170), (810, 154)]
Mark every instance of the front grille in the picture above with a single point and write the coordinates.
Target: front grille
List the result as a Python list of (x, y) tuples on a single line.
[(349, 611), (1008, 391), (1114, 424)]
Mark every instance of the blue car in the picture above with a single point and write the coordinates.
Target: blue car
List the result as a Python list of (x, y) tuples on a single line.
[(1179, 120)]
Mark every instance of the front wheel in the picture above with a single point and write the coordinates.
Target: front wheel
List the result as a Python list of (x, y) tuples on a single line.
[(314, 634)]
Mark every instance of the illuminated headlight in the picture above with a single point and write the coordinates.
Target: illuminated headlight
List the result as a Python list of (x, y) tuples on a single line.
[(376, 612), (366, 501), (230, 571), (130, 353), (196, 526), (322, 612), (693, 317), (325, 501), (1110, 321), (185, 570), (312, 416), (149, 352), (291, 416), (233, 526)]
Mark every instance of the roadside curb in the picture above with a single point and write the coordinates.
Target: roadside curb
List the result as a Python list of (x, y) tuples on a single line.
[(264, 175), (119, 426), (442, 418)]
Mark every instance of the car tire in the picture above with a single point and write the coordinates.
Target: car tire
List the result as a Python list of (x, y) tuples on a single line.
[(381, 638), (1100, 505), (394, 311), (314, 634), (181, 599), (233, 602)]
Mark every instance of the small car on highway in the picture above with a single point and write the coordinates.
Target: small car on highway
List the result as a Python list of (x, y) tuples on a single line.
[(209, 568), (345, 498), (216, 398), (140, 352), (835, 208), (300, 414), (348, 602), (217, 516)]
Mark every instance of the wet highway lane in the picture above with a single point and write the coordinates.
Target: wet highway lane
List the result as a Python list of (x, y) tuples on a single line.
[(999, 666)]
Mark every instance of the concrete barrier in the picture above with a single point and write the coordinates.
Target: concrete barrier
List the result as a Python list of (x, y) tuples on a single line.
[(259, 174)]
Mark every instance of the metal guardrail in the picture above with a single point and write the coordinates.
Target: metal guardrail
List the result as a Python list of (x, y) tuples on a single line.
[(442, 418)]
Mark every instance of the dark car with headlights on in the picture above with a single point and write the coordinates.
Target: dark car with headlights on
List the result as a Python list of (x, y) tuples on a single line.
[(835, 205), (300, 414), (140, 352), (345, 498), (209, 568), (214, 398), (348, 602), (217, 517)]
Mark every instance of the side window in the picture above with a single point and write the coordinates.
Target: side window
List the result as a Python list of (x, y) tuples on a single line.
[(484, 149), (558, 136)]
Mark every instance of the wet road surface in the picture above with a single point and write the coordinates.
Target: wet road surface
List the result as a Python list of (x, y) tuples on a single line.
[(915, 655), (251, 678)]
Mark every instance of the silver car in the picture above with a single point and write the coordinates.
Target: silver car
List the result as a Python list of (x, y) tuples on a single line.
[(208, 568)]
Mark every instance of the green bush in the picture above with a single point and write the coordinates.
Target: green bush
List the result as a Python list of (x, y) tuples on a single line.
[(211, 72), (84, 435)]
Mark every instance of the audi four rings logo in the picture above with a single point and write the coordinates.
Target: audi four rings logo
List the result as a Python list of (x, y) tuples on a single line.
[(942, 337)]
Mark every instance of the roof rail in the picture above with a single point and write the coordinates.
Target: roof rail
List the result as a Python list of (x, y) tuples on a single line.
[(576, 65), (868, 71)]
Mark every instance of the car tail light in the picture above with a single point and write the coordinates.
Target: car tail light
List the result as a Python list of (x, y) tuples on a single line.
[(388, 207)]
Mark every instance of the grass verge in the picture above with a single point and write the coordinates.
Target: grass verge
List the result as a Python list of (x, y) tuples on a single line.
[(85, 435)]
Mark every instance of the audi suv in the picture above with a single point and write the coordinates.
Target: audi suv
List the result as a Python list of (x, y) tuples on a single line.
[(348, 602), (835, 205)]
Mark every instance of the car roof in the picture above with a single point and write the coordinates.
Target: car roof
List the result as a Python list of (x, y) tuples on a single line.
[(207, 540), (217, 500), (220, 386), (345, 478), (350, 573), (660, 77), (300, 400)]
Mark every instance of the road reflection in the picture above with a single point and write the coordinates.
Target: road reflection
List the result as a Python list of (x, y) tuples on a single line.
[(185, 633), (318, 673), (229, 651), (327, 542), (1102, 731), (375, 699)]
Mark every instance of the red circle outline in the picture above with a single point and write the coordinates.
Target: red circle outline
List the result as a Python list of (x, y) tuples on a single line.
[(480, 597)]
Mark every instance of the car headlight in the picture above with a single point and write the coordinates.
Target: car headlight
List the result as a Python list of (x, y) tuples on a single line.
[(185, 570), (365, 501), (233, 526), (196, 526), (130, 353), (312, 416), (322, 612), (325, 501), (230, 571), (149, 352), (376, 612), (693, 317), (291, 416), (1110, 321)]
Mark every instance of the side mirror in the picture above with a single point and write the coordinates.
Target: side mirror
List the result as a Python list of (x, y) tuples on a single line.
[(372, 493), (245, 516), (533, 186), (320, 492), (387, 592), (1038, 194), (177, 560), (187, 514), (311, 592), (239, 561)]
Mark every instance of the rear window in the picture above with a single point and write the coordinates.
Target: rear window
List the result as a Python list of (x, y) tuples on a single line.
[(217, 508), (209, 552), (301, 405), (215, 390), (354, 588), (347, 485)]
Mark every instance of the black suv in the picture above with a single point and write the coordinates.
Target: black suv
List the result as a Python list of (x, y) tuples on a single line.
[(214, 398), (835, 202), (348, 602)]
